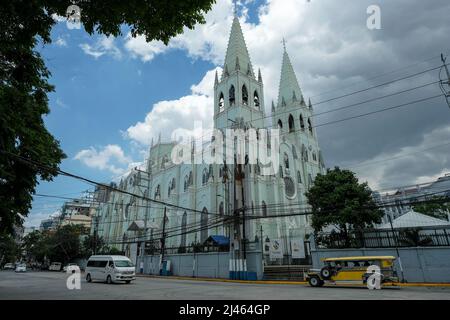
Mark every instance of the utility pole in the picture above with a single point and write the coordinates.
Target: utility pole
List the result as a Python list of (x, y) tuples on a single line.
[(95, 234), (163, 243), (239, 178), (445, 84), (396, 248)]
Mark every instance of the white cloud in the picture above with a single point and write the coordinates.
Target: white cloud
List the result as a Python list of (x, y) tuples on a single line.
[(142, 49), (110, 157), (103, 46), (61, 42), (330, 48), (61, 104), (168, 116), (34, 218)]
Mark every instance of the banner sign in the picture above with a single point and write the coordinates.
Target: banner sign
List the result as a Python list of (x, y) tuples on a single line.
[(298, 249), (276, 249)]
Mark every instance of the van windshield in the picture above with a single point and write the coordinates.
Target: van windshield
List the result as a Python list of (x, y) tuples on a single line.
[(123, 263)]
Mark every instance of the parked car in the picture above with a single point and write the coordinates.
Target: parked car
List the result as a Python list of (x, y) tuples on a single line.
[(55, 266), (67, 265), (9, 266), (353, 270), (110, 269), (21, 267)]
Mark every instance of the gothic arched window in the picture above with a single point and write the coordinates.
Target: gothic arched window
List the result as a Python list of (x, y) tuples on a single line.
[(280, 124), (205, 176), (186, 183), (299, 177), (221, 210), (231, 95), (183, 230), (244, 95), (302, 123), (264, 209), (286, 160), (310, 128), (291, 123), (221, 102), (157, 192), (204, 225), (294, 152), (256, 99)]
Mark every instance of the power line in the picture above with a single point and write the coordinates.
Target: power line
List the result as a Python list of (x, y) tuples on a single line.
[(377, 76), (65, 173)]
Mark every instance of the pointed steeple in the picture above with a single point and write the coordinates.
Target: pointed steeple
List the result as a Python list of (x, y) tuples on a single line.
[(289, 86), (237, 53), (216, 79), (273, 106), (309, 103), (259, 76)]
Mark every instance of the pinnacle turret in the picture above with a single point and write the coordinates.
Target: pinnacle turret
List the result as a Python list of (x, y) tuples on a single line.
[(289, 89), (237, 56)]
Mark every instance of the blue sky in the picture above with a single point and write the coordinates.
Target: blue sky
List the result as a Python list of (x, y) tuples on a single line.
[(113, 95)]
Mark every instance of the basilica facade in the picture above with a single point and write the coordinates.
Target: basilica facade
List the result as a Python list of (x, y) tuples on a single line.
[(201, 195)]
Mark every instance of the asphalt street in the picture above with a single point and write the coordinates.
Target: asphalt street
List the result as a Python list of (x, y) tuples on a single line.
[(52, 285)]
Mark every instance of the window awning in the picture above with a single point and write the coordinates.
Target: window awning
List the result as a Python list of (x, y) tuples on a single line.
[(220, 241)]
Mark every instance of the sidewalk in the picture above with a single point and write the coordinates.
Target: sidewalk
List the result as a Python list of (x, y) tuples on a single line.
[(283, 282)]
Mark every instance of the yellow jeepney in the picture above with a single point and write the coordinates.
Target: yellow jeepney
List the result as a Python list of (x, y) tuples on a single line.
[(353, 270)]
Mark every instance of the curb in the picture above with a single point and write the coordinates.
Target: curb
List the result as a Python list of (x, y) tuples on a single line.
[(409, 284)]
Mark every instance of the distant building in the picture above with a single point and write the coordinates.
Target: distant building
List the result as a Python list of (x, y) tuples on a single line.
[(401, 201), (77, 219), (49, 224)]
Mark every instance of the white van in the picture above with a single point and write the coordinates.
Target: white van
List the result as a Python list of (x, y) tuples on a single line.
[(110, 269)]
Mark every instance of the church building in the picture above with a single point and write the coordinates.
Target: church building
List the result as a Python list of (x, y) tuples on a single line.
[(203, 197)]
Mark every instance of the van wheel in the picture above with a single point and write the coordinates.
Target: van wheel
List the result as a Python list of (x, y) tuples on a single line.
[(128, 281), (315, 282), (108, 280), (88, 277)]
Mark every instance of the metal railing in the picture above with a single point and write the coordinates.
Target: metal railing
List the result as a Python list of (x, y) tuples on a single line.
[(407, 237)]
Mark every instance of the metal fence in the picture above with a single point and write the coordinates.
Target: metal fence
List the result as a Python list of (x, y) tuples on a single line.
[(408, 237)]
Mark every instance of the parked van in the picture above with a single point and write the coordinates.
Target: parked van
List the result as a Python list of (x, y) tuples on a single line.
[(55, 266), (110, 269)]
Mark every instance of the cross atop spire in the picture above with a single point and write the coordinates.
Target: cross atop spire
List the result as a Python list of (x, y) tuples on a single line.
[(284, 44)]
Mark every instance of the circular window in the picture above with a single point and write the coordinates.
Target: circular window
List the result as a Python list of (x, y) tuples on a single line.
[(289, 187)]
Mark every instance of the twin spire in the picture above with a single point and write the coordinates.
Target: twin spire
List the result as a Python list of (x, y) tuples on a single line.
[(238, 58), (289, 89)]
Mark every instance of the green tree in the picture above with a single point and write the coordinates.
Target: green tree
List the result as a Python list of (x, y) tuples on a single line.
[(37, 245), (438, 207), (9, 250), (65, 244), (337, 198), (24, 82), (93, 244)]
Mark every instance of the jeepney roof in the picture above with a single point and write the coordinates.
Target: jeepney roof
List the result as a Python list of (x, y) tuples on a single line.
[(360, 258)]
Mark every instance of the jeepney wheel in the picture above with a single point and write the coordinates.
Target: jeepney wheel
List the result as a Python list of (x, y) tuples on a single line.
[(315, 282), (325, 273)]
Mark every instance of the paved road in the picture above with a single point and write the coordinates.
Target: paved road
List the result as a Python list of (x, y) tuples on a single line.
[(52, 285)]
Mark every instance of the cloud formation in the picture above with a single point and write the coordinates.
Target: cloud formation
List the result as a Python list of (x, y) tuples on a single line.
[(103, 46), (333, 53), (110, 158)]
